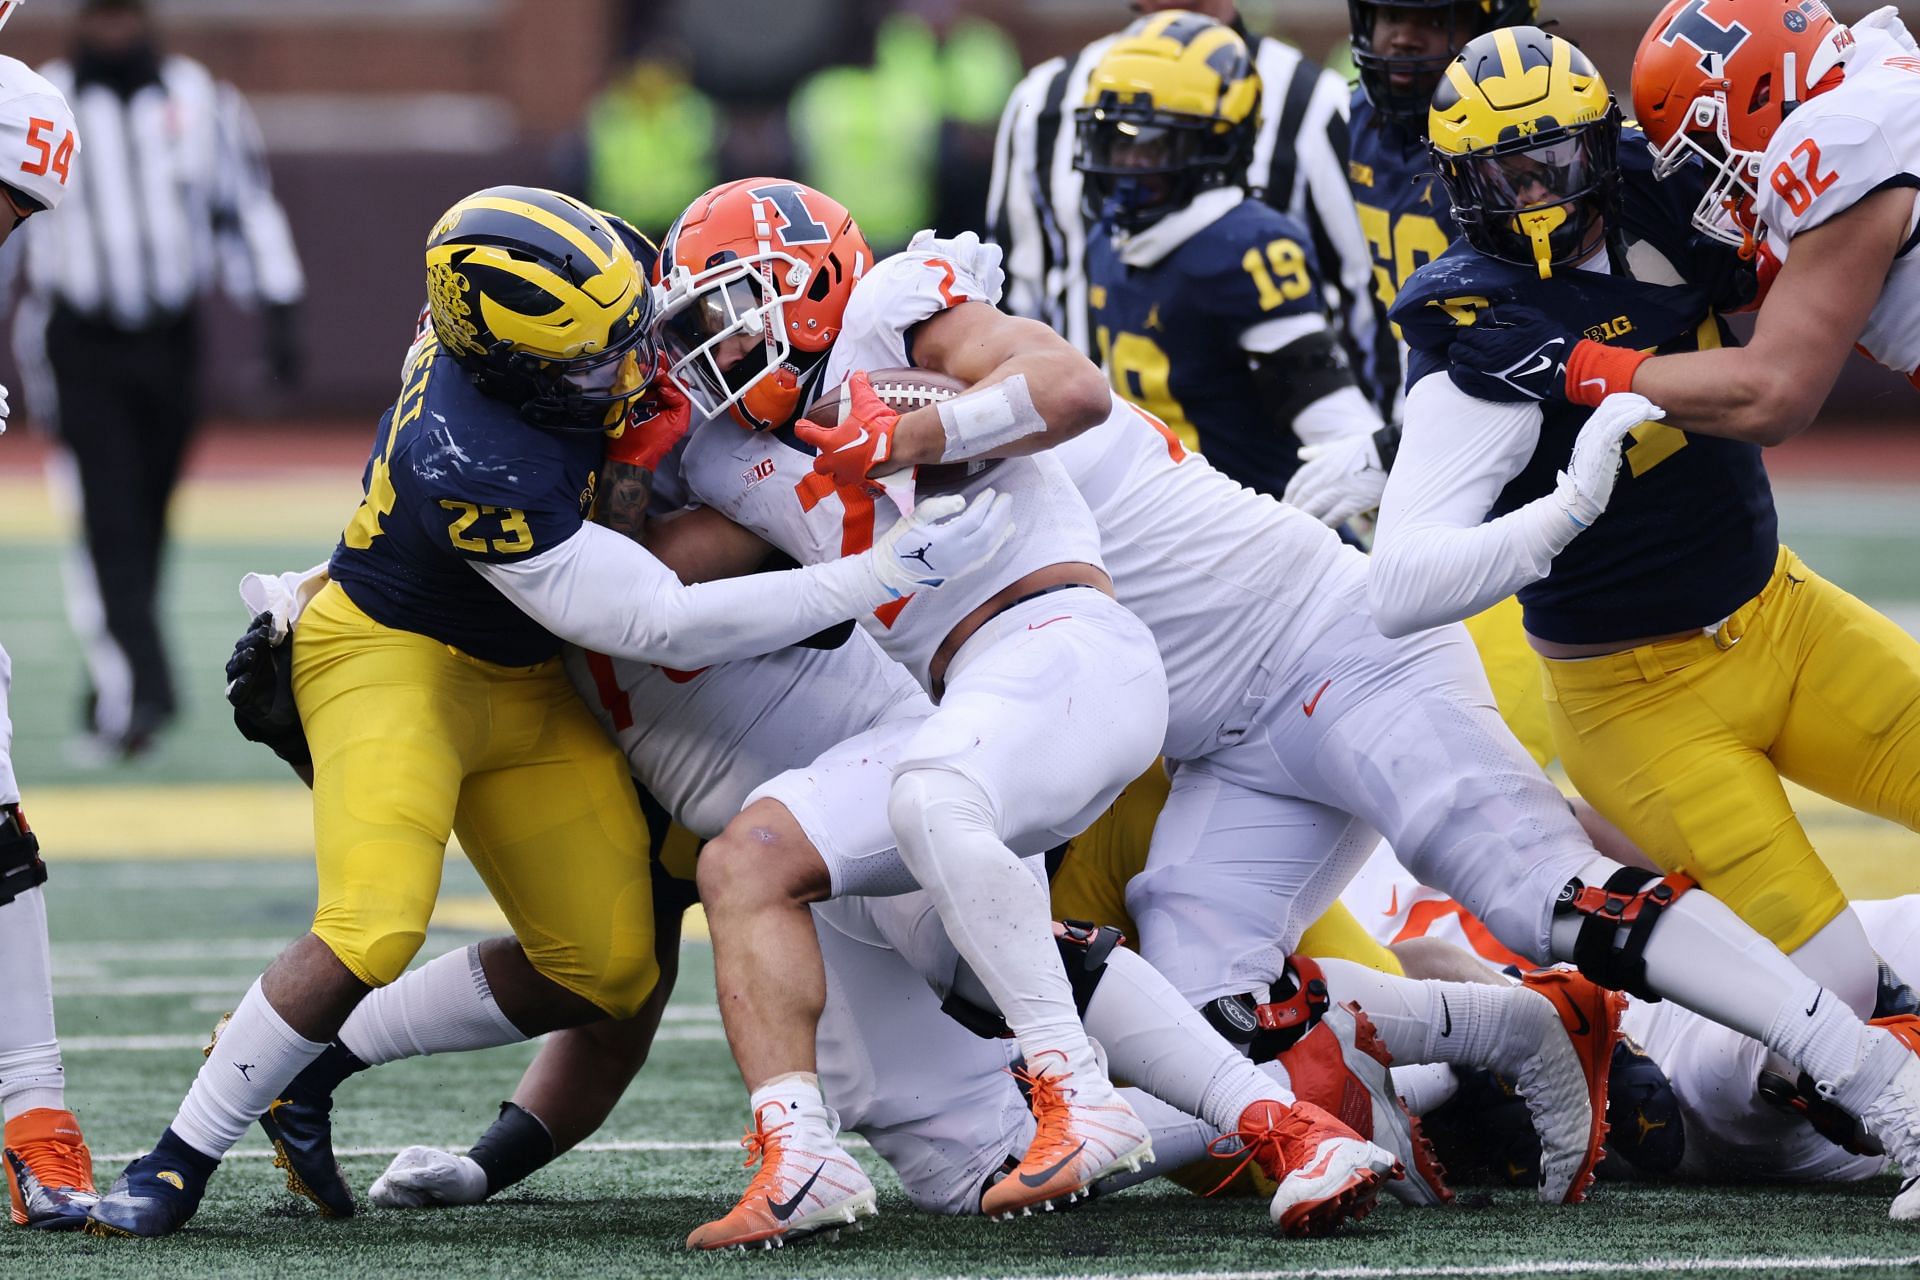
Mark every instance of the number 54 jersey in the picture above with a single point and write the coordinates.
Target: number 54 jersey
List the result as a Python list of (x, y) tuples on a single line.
[(1836, 149)]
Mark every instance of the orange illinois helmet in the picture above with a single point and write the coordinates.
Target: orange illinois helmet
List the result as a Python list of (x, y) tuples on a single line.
[(754, 281), (1714, 79)]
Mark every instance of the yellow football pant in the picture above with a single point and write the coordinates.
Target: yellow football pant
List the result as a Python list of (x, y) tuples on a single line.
[(413, 739), (1683, 744)]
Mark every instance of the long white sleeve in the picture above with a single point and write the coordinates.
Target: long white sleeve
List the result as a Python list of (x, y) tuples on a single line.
[(603, 592), (1434, 560)]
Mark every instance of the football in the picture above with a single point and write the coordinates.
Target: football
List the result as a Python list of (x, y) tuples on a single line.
[(903, 390)]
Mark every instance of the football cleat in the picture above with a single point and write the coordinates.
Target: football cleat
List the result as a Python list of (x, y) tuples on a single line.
[(49, 1170), (1341, 1067), (155, 1195), (1076, 1142), (1890, 1072), (299, 1124), (1326, 1173), (1562, 1068), (801, 1189)]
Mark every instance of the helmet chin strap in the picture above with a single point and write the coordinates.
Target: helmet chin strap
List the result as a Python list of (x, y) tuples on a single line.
[(1539, 226)]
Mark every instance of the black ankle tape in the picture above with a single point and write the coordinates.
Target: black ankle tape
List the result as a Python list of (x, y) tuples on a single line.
[(515, 1145)]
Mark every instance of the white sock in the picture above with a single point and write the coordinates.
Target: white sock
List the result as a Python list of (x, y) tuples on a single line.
[(1178, 1140), (256, 1057), (1840, 958), (798, 1095), (1425, 1086), (1162, 1044), (444, 1006), (1703, 957), (30, 1072), (1426, 1020), (995, 911)]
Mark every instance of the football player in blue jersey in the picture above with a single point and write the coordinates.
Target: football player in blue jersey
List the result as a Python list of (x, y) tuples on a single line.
[(428, 683), (1690, 660), (1208, 306)]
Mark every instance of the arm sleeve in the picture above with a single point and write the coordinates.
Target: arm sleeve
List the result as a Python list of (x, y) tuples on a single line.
[(1434, 561), (259, 263), (602, 592)]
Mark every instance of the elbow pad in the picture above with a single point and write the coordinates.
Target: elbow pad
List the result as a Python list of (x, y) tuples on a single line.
[(1298, 374)]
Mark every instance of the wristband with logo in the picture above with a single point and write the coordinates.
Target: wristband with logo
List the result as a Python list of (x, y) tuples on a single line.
[(1596, 370)]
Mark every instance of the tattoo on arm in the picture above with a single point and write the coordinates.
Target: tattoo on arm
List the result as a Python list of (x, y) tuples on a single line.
[(624, 492)]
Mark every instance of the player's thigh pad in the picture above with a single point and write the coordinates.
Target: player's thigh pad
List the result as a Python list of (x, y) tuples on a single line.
[(840, 802), (1050, 709), (557, 834), (394, 720), (935, 1100), (1513, 674), (1671, 742), (1221, 900)]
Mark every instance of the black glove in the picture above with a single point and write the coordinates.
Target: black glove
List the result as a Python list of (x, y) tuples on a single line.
[(283, 342), (260, 688), (1518, 346)]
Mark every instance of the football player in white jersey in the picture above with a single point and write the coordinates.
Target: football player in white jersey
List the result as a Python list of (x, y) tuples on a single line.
[(1050, 696), (1811, 130), (49, 1173)]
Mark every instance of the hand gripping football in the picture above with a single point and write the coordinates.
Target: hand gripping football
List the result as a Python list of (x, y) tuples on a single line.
[(903, 391)]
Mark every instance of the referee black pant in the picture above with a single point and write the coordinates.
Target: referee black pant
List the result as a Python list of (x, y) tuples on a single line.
[(126, 407)]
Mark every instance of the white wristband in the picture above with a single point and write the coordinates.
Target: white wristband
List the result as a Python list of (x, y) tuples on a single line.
[(991, 418)]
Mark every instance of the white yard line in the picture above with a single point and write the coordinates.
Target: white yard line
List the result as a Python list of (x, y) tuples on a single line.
[(611, 1145), (701, 1032)]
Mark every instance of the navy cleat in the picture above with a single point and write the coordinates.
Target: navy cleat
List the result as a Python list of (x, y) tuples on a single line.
[(299, 1123), (48, 1170), (156, 1195)]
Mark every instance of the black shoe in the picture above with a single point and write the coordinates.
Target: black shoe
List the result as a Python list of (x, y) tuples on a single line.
[(156, 1195), (300, 1126)]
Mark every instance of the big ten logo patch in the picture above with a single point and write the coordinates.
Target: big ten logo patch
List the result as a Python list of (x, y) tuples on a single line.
[(759, 471)]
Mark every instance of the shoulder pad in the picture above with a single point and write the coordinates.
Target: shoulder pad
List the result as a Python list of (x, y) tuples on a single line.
[(1255, 263), (1448, 293)]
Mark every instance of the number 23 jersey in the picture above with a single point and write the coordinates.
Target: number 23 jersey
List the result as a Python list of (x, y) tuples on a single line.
[(457, 478)]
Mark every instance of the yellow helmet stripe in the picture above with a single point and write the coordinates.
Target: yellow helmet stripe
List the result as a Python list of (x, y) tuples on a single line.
[(596, 254)]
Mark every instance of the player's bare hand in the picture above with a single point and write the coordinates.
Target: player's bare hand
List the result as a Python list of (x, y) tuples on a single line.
[(945, 538), (424, 1178), (1586, 486), (861, 444), (1341, 479)]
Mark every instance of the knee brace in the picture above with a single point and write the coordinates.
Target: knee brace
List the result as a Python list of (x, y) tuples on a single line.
[(1084, 949), (1268, 1030), (20, 865), (1610, 948)]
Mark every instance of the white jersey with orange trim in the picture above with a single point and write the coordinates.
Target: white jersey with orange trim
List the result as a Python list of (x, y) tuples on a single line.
[(1840, 147), (765, 484), (1216, 571), (38, 141)]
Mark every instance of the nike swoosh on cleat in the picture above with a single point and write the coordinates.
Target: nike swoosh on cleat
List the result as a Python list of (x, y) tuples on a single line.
[(785, 1209), (1046, 1175), (1584, 1026), (1447, 1029)]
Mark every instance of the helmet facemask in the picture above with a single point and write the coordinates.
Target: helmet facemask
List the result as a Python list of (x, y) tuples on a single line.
[(1142, 163), (1407, 103), (724, 332), (1725, 212), (1543, 200)]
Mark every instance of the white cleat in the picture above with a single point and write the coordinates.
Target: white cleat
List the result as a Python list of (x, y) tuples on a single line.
[(1081, 1135), (427, 1178), (1559, 1050), (1891, 1111)]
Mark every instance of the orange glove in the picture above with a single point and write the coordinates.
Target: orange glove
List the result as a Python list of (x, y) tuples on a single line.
[(654, 425), (862, 441)]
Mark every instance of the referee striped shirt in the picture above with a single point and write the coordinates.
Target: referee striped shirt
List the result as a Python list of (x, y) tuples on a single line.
[(1299, 165), (169, 195)]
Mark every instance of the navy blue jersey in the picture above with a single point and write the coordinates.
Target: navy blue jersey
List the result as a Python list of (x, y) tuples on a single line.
[(1690, 533), (1403, 209), (1169, 334), (458, 477)]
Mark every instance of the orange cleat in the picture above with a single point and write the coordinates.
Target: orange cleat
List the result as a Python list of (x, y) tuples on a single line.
[(1341, 1067), (1076, 1142), (800, 1190), (49, 1170), (1326, 1173), (1569, 1112)]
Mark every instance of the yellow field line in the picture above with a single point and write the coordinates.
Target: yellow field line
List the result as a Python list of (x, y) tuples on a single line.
[(294, 507)]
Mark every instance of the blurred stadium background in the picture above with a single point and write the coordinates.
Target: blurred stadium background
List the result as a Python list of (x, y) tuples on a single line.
[(377, 114)]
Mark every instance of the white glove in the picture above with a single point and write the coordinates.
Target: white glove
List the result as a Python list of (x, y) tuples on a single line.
[(945, 537), (423, 1178), (284, 595), (1342, 478), (971, 255), (1586, 485), (4, 410), (1887, 19)]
